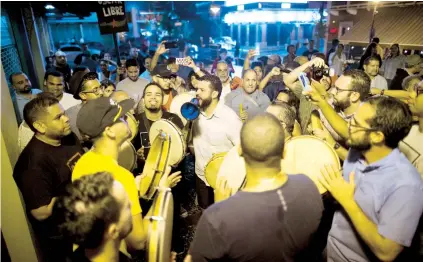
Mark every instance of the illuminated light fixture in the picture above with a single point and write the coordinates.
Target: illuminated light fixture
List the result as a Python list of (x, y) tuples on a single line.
[(259, 5), (352, 47), (285, 5), (333, 22), (215, 9), (325, 13), (352, 11), (240, 8), (406, 51), (364, 48), (348, 28), (245, 2), (49, 7), (270, 16), (334, 12)]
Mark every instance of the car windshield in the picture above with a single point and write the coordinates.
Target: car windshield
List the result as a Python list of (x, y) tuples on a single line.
[(71, 49)]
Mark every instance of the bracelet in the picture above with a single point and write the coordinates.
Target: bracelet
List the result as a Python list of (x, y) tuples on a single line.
[(336, 146), (382, 92)]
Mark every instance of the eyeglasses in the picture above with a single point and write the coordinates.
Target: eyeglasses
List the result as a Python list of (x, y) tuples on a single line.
[(340, 89), (350, 124), (98, 91)]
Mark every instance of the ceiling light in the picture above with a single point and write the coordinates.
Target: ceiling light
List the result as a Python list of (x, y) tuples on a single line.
[(49, 7)]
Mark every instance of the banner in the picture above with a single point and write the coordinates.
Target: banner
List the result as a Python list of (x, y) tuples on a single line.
[(111, 17)]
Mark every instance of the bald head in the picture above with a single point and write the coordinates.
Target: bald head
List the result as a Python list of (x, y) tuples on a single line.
[(284, 113), (262, 140), (119, 96)]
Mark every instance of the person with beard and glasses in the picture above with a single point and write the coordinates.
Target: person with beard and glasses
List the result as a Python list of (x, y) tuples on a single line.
[(61, 65), (22, 91), (44, 169), (248, 101), (216, 130), (379, 190), (273, 217), (162, 76), (133, 84), (54, 83), (371, 67), (95, 213), (88, 88), (103, 121)]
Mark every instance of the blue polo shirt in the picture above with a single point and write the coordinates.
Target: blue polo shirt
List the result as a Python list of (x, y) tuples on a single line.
[(390, 193)]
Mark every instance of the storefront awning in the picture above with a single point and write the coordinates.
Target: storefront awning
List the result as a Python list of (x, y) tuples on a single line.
[(402, 25)]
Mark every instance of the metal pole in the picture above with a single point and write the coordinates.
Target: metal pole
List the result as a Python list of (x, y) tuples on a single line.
[(116, 48), (372, 28)]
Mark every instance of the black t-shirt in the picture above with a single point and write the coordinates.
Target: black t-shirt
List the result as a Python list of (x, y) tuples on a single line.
[(42, 172), (396, 83), (275, 225), (309, 53), (79, 256), (142, 138)]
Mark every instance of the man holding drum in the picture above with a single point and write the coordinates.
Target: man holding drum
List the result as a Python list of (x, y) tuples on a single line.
[(216, 130), (273, 217), (379, 189), (103, 120)]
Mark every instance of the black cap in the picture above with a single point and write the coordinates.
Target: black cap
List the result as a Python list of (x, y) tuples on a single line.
[(95, 115), (162, 71), (77, 82)]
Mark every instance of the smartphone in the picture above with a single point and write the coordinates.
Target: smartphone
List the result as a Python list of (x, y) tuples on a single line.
[(145, 139), (302, 77), (171, 44)]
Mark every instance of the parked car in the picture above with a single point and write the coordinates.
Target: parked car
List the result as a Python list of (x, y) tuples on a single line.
[(225, 42)]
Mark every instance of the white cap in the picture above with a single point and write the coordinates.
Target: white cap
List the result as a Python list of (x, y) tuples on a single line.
[(60, 53)]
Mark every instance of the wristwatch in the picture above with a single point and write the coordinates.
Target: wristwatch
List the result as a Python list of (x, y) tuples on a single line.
[(336, 146)]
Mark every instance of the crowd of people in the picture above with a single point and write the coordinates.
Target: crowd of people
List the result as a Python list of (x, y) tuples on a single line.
[(77, 193)]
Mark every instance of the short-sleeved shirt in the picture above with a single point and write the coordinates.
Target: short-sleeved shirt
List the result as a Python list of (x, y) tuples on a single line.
[(379, 82), (275, 225), (72, 113), (215, 134), (42, 172), (91, 163), (21, 101), (254, 103), (412, 147), (390, 193), (134, 89)]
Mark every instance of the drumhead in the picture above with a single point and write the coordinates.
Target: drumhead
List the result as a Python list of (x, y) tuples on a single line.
[(307, 155), (212, 168), (160, 226), (177, 142), (133, 125), (177, 102), (155, 165), (127, 157), (232, 169)]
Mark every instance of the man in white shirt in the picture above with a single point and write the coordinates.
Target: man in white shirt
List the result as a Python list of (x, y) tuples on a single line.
[(216, 130), (412, 145), (22, 91), (54, 83), (222, 71), (371, 67), (133, 84)]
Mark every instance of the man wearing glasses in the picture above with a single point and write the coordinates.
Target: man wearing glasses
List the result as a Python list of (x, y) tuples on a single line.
[(89, 88), (379, 190)]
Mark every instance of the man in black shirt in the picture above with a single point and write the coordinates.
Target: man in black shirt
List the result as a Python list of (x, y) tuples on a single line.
[(44, 169), (273, 217), (95, 214), (61, 64), (413, 65)]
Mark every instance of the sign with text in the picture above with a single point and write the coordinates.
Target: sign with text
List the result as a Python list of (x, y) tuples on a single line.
[(111, 17)]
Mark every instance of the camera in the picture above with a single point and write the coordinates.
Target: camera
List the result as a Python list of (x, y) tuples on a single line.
[(317, 73)]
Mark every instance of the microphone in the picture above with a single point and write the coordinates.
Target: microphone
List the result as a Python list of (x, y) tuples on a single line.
[(190, 110)]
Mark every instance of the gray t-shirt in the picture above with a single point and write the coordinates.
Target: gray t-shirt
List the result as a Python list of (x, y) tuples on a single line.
[(254, 104), (72, 113), (274, 225)]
